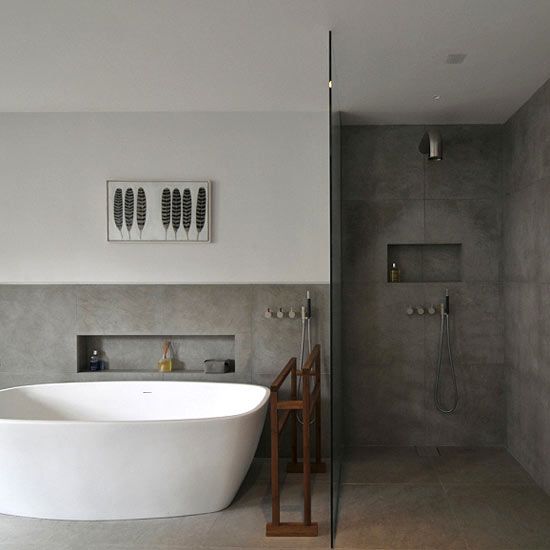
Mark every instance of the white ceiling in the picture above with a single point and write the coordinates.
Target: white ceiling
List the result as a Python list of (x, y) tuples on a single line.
[(390, 59), (271, 55)]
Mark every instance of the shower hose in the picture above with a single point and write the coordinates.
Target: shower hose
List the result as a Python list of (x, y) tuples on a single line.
[(445, 331)]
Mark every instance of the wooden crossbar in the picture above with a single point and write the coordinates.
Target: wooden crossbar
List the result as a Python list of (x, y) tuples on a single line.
[(309, 405)]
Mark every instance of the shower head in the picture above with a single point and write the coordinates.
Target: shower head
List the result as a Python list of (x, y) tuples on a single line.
[(431, 145)]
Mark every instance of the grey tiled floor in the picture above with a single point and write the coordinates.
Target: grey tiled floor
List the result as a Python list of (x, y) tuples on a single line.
[(242, 525), (391, 498), (469, 499)]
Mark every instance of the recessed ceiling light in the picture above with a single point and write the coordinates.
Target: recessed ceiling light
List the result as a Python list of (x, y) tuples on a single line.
[(436, 97), (455, 58)]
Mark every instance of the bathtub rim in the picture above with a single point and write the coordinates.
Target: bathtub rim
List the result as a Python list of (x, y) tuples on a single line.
[(263, 402)]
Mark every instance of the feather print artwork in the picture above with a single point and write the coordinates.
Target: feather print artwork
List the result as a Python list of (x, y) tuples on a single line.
[(117, 210), (161, 211), (141, 212), (200, 215), (165, 210), (176, 212), (187, 211), (129, 210)]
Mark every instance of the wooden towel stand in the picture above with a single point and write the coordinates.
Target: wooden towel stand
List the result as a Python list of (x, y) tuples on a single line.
[(310, 402)]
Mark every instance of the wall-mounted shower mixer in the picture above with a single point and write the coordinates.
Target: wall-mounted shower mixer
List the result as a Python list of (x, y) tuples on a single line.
[(421, 310), (280, 313)]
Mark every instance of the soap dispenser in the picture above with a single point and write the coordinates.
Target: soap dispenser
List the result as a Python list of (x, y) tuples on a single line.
[(394, 273)]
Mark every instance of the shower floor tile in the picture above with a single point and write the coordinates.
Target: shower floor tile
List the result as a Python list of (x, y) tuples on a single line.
[(481, 499), (387, 465)]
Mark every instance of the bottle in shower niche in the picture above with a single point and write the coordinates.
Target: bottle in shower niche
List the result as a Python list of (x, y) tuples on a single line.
[(165, 364), (395, 275)]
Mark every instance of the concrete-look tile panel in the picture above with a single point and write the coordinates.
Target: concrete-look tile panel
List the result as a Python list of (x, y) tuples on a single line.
[(382, 162), (538, 136), (206, 309), (37, 328), (181, 532), (517, 171), (475, 321), (542, 229), (479, 466), (474, 223), (387, 465), (521, 319), (543, 364), (378, 330), (502, 516), (384, 404), (471, 164), (275, 340), (120, 309), (480, 418), (369, 226), (396, 516), (520, 235), (9, 380), (527, 433)]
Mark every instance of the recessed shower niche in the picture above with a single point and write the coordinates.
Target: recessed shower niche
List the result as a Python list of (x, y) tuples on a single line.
[(426, 263), (141, 353)]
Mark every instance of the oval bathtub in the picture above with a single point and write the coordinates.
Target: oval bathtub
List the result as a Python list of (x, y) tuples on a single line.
[(126, 450)]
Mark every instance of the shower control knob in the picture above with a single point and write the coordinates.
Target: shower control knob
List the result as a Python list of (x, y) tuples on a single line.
[(280, 313), (292, 313), (410, 310), (268, 313), (431, 309), (420, 310)]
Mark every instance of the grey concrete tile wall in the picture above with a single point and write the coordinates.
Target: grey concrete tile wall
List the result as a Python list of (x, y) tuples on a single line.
[(477, 225), (381, 162), (369, 226), (394, 196), (471, 167), (40, 325), (526, 173)]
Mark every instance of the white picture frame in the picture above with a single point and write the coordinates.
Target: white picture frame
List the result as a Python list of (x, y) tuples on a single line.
[(159, 211)]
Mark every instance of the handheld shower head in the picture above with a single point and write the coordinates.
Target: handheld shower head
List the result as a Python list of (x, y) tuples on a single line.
[(431, 145)]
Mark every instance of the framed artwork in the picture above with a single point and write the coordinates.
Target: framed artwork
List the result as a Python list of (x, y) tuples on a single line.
[(158, 211)]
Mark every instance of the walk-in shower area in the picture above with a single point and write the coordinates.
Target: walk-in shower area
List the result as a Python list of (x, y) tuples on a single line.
[(446, 430)]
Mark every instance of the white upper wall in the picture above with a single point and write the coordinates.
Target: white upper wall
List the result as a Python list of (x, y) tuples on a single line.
[(270, 218)]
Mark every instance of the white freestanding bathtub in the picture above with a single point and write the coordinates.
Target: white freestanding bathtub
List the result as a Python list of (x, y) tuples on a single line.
[(122, 450)]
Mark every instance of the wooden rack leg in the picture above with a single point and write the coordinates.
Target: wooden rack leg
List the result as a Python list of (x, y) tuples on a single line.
[(275, 497), (293, 419), (305, 455)]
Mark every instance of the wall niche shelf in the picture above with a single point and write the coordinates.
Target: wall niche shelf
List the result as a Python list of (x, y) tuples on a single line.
[(140, 353), (426, 263)]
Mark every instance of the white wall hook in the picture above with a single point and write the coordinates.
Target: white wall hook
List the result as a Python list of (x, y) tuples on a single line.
[(280, 313), (410, 310), (420, 310), (268, 313), (292, 313)]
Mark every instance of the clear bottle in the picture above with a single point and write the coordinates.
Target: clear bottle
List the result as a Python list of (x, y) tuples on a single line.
[(95, 361)]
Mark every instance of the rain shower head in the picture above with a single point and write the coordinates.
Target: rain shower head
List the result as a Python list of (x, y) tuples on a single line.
[(431, 145)]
